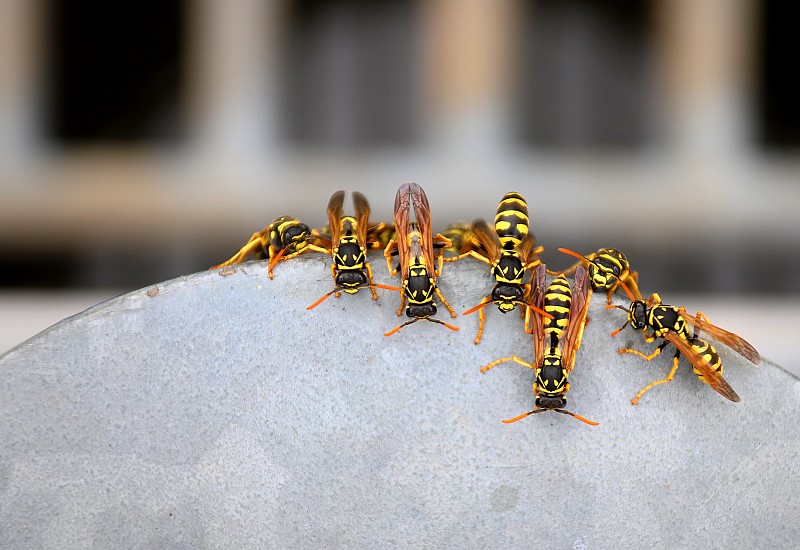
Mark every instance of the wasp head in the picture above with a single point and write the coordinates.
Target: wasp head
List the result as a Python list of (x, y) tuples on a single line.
[(351, 281), (506, 297), (421, 311), (637, 314), (551, 401), (297, 235)]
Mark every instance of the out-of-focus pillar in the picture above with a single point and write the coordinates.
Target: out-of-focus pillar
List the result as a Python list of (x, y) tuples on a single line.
[(20, 84), (233, 62), (469, 48), (706, 50)]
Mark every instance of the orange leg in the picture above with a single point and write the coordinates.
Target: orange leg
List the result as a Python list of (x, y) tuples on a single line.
[(257, 241), (444, 302), (371, 282), (514, 358), (670, 376)]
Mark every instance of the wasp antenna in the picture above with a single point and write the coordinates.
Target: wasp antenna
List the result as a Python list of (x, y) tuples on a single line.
[(399, 327), (538, 310), (274, 261), (620, 329), (476, 308), (582, 419), (324, 297), (573, 253), (626, 289), (520, 417), (451, 327), (385, 287)]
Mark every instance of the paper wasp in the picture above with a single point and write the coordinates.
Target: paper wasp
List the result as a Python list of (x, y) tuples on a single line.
[(283, 239), (347, 245), (609, 270), (418, 267), (671, 324), (510, 249), (555, 339), (460, 235)]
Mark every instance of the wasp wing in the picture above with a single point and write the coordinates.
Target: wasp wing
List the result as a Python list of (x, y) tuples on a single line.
[(335, 216), (528, 250), (538, 283), (402, 205), (581, 294), (706, 369), (362, 217), (487, 240), (422, 213), (733, 341)]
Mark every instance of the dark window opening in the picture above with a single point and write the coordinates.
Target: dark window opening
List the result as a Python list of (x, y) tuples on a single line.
[(585, 74), (778, 90), (116, 70), (351, 73)]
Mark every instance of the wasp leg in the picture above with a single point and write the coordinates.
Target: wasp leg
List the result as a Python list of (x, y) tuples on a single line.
[(632, 282), (653, 300), (444, 302), (388, 252), (534, 263), (478, 256), (257, 241), (481, 318), (650, 357), (569, 271), (513, 358), (371, 282), (670, 376), (402, 303), (333, 274)]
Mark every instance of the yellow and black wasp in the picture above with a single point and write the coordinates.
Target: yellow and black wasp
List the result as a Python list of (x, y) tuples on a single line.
[(672, 324), (510, 249), (347, 244), (460, 235), (555, 338), (609, 270), (283, 239), (418, 266)]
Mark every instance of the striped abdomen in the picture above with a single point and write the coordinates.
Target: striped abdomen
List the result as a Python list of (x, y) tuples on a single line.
[(707, 352), (557, 300), (511, 221)]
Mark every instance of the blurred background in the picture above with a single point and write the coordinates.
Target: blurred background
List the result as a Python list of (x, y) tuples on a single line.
[(140, 141)]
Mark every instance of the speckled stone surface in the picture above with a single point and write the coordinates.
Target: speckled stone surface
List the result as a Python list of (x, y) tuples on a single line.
[(214, 411)]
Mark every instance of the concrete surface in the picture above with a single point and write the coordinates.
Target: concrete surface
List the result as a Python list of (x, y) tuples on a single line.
[(216, 412)]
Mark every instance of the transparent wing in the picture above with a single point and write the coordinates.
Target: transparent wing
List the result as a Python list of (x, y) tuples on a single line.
[(733, 341)]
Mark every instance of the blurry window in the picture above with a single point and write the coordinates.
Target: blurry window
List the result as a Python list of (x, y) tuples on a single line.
[(350, 74), (585, 74), (115, 70), (778, 88)]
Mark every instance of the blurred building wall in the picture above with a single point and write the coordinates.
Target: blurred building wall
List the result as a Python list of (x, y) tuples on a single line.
[(141, 142)]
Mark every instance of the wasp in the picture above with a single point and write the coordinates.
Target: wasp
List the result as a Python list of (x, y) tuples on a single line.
[(283, 239), (510, 249), (609, 270), (555, 339), (418, 267), (460, 235), (347, 245), (672, 325)]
